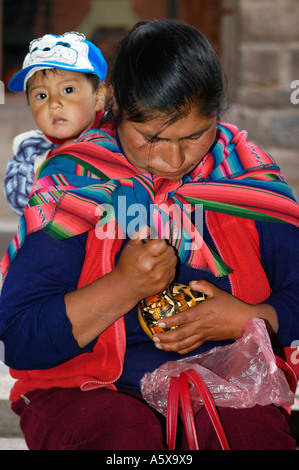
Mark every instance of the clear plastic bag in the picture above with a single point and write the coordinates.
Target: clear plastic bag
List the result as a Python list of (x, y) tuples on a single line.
[(240, 375)]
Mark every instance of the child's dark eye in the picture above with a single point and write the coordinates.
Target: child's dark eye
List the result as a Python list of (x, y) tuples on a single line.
[(68, 90), (41, 96)]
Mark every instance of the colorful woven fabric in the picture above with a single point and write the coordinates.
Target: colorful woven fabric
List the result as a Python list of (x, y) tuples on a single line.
[(90, 183)]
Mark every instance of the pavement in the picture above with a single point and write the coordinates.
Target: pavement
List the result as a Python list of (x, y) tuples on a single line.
[(11, 437)]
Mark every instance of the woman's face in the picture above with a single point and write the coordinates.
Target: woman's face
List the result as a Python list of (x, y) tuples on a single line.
[(171, 152)]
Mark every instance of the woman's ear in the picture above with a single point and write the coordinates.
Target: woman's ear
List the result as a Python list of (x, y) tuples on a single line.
[(115, 107)]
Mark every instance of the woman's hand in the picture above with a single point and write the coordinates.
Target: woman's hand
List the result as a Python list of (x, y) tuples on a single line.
[(145, 269), (219, 317)]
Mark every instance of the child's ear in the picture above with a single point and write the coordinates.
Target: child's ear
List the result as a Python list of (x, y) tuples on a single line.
[(100, 96)]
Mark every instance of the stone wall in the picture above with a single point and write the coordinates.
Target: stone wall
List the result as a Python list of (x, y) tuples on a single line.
[(268, 65)]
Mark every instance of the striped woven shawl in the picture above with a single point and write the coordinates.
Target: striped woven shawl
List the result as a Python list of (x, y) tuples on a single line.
[(91, 184)]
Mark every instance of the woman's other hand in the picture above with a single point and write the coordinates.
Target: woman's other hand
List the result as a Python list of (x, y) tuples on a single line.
[(220, 317)]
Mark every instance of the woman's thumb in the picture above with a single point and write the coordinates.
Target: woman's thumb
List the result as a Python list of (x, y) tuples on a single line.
[(141, 235), (203, 286)]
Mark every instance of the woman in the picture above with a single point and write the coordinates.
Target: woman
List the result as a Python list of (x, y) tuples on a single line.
[(73, 338)]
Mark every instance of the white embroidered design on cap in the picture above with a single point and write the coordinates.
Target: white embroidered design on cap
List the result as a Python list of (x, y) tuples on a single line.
[(67, 49)]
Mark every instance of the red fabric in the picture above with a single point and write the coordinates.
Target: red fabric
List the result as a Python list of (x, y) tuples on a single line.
[(107, 420), (103, 366), (238, 243), (98, 420)]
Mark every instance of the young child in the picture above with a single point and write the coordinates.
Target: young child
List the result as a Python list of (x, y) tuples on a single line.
[(63, 78)]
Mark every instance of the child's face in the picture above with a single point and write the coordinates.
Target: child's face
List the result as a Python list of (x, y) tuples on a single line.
[(63, 103)]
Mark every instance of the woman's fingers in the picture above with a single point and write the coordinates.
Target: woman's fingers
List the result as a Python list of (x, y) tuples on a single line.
[(217, 318)]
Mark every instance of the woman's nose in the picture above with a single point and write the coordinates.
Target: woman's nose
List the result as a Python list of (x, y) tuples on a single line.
[(175, 155)]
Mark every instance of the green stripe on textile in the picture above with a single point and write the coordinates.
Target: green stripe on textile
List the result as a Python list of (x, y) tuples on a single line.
[(36, 200), (233, 210), (57, 231), (77, 160)]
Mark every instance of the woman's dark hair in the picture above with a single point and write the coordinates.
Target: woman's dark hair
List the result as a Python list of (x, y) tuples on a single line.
[(166, 67)]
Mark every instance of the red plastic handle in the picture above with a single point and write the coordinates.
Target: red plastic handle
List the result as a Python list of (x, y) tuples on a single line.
[(187, 412), (210, 406), (172, 412), (179, 391)]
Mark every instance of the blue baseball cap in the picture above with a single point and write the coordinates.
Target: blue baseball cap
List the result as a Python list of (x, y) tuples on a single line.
[(71, 51)]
